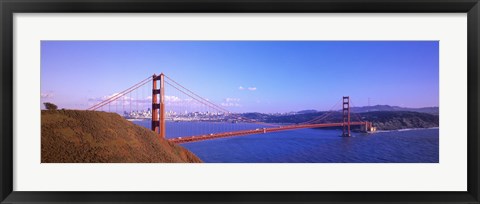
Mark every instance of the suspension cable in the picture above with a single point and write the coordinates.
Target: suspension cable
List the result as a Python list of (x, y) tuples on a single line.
[(116, 96), (324, 115), (191, 92)]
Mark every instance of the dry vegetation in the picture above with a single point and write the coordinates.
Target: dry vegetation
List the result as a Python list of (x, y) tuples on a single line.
[(71, 136)]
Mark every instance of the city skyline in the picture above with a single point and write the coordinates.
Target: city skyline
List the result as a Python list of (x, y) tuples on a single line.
[(247, 76)]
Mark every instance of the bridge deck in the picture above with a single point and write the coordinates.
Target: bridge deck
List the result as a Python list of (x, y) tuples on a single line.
[(197, 138)]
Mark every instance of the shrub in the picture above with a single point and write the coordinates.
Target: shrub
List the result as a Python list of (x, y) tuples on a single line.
[(50, 106)]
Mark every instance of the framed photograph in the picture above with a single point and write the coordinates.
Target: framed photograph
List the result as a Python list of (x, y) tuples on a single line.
[(239, 101)]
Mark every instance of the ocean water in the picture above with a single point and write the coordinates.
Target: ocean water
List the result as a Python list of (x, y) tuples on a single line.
[(308, 145)]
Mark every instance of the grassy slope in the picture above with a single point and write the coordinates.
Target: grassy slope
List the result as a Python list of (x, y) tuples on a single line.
[(70, 136)]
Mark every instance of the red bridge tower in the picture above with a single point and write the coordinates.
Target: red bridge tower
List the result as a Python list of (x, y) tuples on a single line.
[(346, 116), (158, 105)]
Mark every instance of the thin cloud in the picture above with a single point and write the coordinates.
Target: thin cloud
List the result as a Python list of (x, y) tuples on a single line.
[(172, 99), (46, 95), (103, 97), (230, 104), (252, 88), (232, 100)]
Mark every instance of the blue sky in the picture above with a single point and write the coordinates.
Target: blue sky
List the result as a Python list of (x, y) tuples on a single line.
[(260, 76)]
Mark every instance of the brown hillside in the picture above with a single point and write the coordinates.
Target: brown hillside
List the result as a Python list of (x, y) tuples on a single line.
[(71, 136)]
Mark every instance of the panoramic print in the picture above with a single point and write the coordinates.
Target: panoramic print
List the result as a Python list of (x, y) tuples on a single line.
[(239, 101)]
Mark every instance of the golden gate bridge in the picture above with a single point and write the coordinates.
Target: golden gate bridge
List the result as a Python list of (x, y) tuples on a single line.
[(160, 98)]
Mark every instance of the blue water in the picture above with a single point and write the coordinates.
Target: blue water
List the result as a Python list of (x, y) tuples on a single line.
[(309, 145)]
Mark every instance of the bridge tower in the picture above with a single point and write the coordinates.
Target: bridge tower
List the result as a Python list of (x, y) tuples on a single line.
[(158, 105), (346, 116)]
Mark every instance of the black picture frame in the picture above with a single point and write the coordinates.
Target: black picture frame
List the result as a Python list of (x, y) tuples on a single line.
[(9, 7)]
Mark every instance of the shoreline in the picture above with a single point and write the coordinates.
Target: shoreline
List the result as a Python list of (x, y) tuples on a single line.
[(407, 129)]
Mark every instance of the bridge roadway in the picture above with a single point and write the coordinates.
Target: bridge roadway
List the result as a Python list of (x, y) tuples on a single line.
[(197, 138)]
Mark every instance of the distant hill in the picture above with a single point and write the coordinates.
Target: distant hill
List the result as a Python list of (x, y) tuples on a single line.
[(393, 120), (429, 110), (306, 111), (383, 120), (71, 136)]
